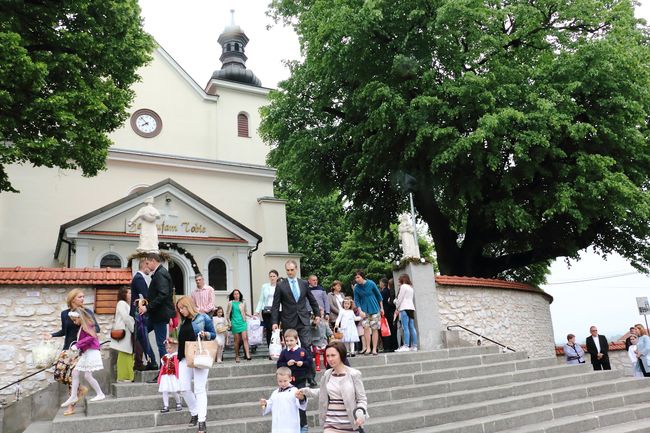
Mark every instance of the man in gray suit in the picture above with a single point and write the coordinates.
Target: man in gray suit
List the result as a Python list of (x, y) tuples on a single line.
[(290, 293)]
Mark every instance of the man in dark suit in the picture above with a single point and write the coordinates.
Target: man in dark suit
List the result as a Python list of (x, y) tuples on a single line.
[(598, 348), (290, 293), (140, 287), (160, 304)]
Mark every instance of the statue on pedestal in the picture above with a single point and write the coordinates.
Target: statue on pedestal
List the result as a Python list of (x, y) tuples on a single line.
[(148, 229), (410, 248)]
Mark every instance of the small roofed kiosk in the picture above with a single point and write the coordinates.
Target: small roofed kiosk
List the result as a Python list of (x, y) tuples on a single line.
[(195, 236)]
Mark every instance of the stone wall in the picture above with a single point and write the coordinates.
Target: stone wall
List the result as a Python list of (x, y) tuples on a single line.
[(26, 313), (517, 318)]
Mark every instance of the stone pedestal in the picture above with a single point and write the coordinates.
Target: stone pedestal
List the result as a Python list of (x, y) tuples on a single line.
[(427, 316)]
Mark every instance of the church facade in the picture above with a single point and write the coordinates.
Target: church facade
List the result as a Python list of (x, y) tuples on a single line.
[(197, 152)]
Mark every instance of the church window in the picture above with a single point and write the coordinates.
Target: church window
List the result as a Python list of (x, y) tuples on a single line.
[(110, 261), (242, 125), (236, 46), (228, 47), (217, 275)]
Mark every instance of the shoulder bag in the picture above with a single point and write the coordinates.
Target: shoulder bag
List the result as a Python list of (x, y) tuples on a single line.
[(200, 354)]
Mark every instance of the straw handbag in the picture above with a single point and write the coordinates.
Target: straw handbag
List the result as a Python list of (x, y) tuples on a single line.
[(200, 354)]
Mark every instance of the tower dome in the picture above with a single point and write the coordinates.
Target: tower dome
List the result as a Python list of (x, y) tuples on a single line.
[(233, 43)]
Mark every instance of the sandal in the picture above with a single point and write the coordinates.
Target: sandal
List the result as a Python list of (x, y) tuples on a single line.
[(237, 359), (69, 412)]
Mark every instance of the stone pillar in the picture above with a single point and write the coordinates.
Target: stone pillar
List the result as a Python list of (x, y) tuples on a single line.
[(427, 316)]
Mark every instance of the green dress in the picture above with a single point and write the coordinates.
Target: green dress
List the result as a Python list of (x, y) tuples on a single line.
[(237, 322)]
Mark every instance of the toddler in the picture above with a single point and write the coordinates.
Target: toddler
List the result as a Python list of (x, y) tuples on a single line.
[(168, 376), (284, 404), (221, 327), (320, 334), (346, 323)]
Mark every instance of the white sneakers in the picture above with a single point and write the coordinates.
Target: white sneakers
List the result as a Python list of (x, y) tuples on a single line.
[(98, 397), (407, 349)]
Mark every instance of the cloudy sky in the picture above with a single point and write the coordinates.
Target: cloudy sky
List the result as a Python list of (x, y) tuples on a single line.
[(591, 291)]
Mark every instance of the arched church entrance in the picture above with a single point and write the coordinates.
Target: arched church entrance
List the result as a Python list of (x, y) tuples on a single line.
[(178, 277)]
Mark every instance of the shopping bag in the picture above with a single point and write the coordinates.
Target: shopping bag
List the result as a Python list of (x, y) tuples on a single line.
[(64, 366), (45, 353), (276, 346), (385, 329), (200, 354), (255, 331)]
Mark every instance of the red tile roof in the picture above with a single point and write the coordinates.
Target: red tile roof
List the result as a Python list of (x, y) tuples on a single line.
[(450, 280), (65, 276), (559, 350)]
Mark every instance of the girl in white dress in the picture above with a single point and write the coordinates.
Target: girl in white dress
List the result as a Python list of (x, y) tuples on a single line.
[(346, 323), (168, 376), (221, 327)]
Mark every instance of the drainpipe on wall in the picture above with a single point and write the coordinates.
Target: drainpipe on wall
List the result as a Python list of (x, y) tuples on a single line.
[(250, 272)]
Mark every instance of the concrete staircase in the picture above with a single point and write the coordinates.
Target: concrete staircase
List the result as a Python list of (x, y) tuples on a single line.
[(461, 390)]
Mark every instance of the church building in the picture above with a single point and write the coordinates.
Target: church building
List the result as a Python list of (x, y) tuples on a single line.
[(197, 152)]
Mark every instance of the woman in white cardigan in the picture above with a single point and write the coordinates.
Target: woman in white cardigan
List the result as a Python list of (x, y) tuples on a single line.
[(406, 309), (124, 346), (342, 402)]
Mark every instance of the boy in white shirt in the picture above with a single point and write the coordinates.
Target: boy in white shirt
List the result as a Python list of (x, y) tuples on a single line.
[(284, 404)]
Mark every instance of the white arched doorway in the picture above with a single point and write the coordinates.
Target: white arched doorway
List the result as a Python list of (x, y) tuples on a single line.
[(183, 274)]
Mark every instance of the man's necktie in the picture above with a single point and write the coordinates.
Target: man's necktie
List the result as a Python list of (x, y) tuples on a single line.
[(294, 289)]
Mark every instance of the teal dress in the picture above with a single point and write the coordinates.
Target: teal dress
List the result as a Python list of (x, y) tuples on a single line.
[(237, 322)]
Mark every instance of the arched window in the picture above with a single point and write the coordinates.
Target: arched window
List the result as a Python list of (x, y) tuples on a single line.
[(110, 261), (242, 125), (236, 46), (217, 275)]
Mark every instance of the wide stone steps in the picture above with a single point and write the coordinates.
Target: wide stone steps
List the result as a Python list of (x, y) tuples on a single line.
[(231, 396), (553, 412), (472, 389), (262, 375)]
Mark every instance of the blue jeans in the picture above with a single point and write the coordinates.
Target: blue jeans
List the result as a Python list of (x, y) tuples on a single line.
[(408, 325), (160, 331)]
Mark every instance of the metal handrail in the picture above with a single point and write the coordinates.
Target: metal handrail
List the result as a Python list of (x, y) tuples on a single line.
[(481, 336), (38, 371)]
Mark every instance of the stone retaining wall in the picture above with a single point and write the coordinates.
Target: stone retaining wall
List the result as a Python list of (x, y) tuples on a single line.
[(520, 319), (26, 313)]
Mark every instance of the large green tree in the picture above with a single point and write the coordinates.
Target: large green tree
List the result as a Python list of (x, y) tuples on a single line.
[(65, 71), (521, 125), (334, 245)]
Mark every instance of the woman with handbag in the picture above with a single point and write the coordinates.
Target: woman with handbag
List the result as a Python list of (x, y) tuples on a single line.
[(265, 302), (75, 299), (236, 316), (342, 402), (387, 290), (193, 325), (573, 352), (121, 336)]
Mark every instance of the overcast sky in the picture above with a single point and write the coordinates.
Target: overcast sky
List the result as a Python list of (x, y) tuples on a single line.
[(591, 291)]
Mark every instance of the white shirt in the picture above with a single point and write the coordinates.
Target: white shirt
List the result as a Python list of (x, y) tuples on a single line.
[(269, 297), (285, 405), (596, 342)]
